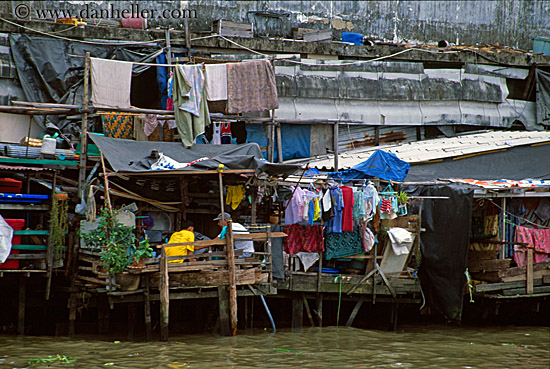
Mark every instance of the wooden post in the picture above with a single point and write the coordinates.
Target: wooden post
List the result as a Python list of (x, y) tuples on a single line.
[(253, 206), (395, 315), (22, 303), (279, 143), (355, 311), (103, 314), (131, 320), (232, 279), (308, 311), (147, 309), (297, 312), (319, 272), (72, 314), (106, 180), (269, 255), (164, 296), (220, 171), (320, 309), (503, 235), (529, 271), (49, 252), (84, 128), (335, 146), (223, 304)]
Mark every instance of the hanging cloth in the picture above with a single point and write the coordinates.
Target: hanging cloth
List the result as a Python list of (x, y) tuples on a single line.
[(235, 195), (111, 82), (216, 81), (190, 109)]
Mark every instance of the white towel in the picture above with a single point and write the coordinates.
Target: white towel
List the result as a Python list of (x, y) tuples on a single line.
[(401, 240), (111, 82), (308, 259), (216, 81)]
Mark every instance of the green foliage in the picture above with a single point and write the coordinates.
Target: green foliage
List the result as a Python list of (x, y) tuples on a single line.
[(143, 251), (114, 239), (402, 198)]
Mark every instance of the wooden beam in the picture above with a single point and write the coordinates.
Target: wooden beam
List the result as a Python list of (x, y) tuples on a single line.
[(232, 280), (164, 297), (308, 311), (21, 307), (335, 146), (84, 128), (529, 271), (297, 313), (355, 311), (223, 305)]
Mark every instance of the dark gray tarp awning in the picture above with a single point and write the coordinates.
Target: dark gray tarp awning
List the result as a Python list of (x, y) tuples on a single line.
[(543, 97), (521, 162), (135, 156), (51, 71)]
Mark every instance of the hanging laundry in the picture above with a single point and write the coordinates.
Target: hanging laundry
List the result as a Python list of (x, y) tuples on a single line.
[(367, 237), (151, 123), (251, 87), (371, 196), (294, 206), (190, 109), (235, 195), (111, 82), (401, 240), (316, 210), (216, 81), (225, 133), (139, 129), (343, 244), (118, 125), (308, 259), (347, 215), (335, 224), (303, 238), (216, 133), (359, 210), (536, 239), (169, 99)]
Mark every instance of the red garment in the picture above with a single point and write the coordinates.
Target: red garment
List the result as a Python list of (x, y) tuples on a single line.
[(169, 104), (347, 213), (304, 238), (537, 239)]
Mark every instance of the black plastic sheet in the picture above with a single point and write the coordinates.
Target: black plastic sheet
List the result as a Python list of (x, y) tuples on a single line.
[(135, 156), (444, 246)]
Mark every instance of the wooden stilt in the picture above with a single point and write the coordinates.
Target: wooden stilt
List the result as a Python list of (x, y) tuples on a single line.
[(72, 314), (279, 143), (308, 311), (164, 296), (320, 309), (147, 310), (297, 313), (529, 271), (102, 314), (246, 313), (22, 302), (131, 320), (49, 252), (232, 280), (223, 304), (395, 316), (354, 312)]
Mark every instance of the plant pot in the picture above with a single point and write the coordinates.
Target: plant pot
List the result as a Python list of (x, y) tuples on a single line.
[(127, 281)]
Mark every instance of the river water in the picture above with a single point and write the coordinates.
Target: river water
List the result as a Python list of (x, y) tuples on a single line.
[(414, 346)]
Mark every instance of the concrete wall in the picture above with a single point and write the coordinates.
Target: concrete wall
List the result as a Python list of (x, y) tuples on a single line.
[(506, 22)]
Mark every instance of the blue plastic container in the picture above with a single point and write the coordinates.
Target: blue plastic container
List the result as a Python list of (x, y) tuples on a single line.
[(354, 38), (541, 45)]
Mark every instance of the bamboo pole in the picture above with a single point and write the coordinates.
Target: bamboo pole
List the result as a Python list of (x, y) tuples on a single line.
[(164, 296), (84, 128), (232, 280), (335, 146)]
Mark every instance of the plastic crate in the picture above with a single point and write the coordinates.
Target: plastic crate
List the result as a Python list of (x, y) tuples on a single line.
[(17, 225), (10, 185)]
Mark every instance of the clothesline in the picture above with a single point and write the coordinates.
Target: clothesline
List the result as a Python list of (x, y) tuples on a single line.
[(517, 216)]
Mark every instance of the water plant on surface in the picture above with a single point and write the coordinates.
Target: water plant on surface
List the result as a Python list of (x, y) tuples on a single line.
[(66, 359)]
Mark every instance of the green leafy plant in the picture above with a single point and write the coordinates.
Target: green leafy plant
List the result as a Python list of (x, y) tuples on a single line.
[(143, 250), (402, 198), (114, 239)]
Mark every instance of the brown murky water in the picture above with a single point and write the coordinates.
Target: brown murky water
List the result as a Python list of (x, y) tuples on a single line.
[(412, 347)]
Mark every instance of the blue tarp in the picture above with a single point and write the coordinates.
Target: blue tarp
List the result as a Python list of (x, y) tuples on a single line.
[(296, 140), (381, 164)]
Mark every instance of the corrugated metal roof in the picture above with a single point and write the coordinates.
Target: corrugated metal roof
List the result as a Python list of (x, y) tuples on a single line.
[(439, 148), (17, 168)]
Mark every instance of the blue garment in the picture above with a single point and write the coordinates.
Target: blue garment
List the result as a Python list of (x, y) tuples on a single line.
[(311, 211), (335, 224)]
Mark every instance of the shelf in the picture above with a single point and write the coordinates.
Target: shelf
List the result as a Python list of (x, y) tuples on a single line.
[(30, 247), (31, 233), (26, 207)]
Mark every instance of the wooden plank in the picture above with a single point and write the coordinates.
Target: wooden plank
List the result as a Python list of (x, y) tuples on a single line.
[(490, 287), (523, 290), (522, 270), (26, 256), (96, 281), (482, 255), (164, 297), (536, 275), (212, 278), (259, 236), (355, 311), (196, 243), (546, 279), (324, 35), (529, 272), (488, 265)]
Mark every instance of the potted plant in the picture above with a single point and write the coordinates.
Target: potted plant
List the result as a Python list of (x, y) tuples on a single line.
[(115, 242), (402, 200), (142, 251)]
